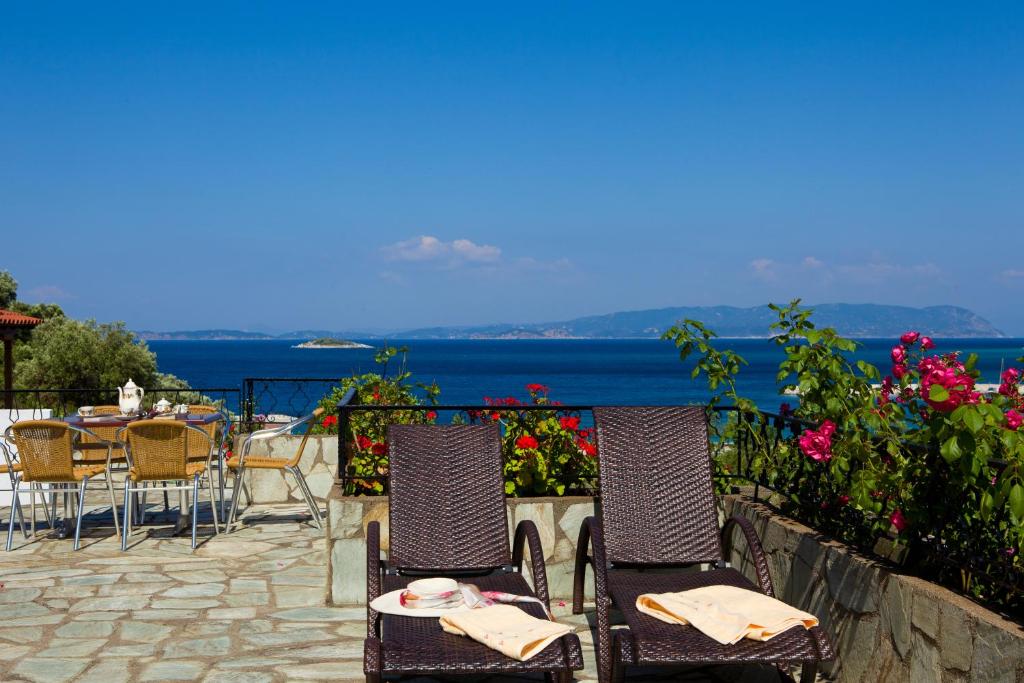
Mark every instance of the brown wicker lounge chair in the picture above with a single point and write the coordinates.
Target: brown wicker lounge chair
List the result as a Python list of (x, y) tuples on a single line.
[(658, 510), (448, 518)]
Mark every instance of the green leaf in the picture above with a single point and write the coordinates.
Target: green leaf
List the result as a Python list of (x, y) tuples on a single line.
[(973, 420), (950, 450), (1017, 502), (986, 505), (938, 393)]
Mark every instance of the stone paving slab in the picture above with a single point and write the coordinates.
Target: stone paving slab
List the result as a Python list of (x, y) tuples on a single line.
[(249, 606)]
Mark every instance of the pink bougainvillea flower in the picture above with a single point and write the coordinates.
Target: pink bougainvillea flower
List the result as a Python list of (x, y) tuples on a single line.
[(885, 393), (927, 344), (900, 371), (817, 444), (843, 500), (526, 441), (898, 521), (1010, 379), (899, 355), (1014, 419), (785, 409), (909, 338)]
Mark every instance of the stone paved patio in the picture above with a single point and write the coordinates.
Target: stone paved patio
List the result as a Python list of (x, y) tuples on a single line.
[(249, 606)]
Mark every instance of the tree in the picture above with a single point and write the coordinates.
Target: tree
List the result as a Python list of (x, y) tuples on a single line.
[(66, 353), (8, 289)]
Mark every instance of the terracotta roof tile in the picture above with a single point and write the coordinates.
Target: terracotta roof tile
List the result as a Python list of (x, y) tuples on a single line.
[(12, 319)]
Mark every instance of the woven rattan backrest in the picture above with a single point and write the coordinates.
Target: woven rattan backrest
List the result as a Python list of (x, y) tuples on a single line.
[(105, 433), (157, 448), (657, 495), (44, 450), (447, 500), (196, 443)]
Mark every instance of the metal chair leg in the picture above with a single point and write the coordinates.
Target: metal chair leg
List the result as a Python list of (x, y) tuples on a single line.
[(195, 507), (314, 509), (213, 503), (113, 504), (10, 527), (81, 511), (127, 525), (235, 496)]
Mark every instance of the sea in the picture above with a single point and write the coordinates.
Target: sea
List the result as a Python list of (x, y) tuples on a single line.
[(577, 371)]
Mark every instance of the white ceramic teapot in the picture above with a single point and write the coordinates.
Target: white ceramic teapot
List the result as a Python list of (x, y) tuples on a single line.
[(129, 398)]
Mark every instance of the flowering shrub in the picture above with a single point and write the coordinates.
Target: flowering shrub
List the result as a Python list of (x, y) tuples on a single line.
[(366, 441), (545, 452), (920, 455)]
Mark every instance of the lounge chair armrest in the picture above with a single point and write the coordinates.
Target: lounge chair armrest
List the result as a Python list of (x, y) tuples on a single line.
[(372, 575), (592, 537), (764, 577), (526, 531)]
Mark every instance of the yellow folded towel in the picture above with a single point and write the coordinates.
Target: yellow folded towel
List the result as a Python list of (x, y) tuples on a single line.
[(726, 613), (505, 628)]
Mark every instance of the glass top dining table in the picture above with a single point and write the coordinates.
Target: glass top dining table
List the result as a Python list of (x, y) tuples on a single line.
[(124, 420)]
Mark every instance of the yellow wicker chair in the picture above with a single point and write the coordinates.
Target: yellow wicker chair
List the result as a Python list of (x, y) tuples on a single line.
[(46, 456), (158, 452), (12, 468), (92, 450), (291, 465)]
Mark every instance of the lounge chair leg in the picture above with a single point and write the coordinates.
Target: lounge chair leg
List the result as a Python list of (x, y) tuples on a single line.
[(603, 644), (195, 507), (808, 672), (81, 511), (127, 525)]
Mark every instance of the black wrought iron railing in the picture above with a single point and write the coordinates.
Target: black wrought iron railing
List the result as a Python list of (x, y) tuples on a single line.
[(280, 398)]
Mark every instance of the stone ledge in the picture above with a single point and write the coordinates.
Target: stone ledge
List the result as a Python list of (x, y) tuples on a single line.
[(886, 626)]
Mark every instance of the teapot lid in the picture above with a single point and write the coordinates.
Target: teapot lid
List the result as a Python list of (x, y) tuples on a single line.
[(163, 402), (130, 384)]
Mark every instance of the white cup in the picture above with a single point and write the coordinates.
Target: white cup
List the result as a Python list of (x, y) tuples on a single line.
[(87, 411)]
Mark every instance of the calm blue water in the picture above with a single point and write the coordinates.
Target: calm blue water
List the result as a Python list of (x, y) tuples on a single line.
[(624, 372)]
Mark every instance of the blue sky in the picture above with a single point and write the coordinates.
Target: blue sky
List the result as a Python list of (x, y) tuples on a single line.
[(287, 165)]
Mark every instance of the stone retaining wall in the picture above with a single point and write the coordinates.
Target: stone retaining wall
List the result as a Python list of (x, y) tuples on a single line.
[(319, 464), (885, 625), (558, 523)]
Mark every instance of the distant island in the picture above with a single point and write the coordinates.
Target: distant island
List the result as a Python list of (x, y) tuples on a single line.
[(851, 320), (331, 343)]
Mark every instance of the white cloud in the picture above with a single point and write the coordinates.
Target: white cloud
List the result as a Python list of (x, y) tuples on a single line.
[(764, 269), (1012, 274), (811, 262), (46, 293), (427, 248)]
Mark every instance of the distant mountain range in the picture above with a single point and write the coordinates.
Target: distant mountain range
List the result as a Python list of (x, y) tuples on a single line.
[(852, 320)]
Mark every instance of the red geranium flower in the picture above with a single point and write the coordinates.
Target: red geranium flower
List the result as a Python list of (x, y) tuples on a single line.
[(379, 449), (364, 442), (329, 421), (587, 447), (571, 423), (536, 388), (526, 441), (431, 415)]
